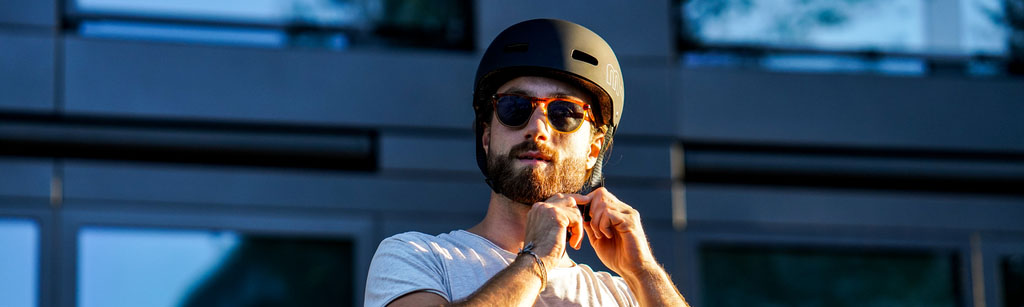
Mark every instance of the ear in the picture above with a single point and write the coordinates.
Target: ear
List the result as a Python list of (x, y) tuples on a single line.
[(595, 150), (485, 138)]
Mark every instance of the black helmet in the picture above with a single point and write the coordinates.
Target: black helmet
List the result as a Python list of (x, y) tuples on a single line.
[(556, 49)]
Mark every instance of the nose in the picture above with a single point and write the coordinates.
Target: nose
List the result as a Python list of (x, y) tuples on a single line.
[(537, 128)]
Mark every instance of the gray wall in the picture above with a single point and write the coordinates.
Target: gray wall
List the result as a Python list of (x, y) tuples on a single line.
[(418, 103)]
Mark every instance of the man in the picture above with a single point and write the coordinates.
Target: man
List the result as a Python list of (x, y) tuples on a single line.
[(548, 98)]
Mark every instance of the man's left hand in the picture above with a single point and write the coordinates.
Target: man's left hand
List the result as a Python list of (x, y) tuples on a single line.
[(616, 234)]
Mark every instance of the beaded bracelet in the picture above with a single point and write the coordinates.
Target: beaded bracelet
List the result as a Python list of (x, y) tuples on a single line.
[(528, 249)]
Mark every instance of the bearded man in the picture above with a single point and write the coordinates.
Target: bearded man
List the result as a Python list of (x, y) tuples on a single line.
[(548, 97)]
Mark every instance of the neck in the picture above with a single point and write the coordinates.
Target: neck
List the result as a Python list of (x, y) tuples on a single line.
[(505, 225)]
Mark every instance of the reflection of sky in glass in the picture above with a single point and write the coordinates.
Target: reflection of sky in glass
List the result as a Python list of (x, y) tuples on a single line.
[(984, 30), (261, 11), (19, 246), (183, 33), (888, 25), (851, 25), (153, 268)]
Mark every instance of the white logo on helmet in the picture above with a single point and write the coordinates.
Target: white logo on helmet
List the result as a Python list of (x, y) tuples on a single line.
[(614, 79)]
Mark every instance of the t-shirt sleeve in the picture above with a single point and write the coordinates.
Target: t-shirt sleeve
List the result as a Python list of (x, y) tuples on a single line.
[(402, 265), (623, 294)]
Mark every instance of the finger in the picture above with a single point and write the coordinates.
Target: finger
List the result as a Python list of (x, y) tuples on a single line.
[(580, 199), (574, 223), (590, 232), (577, 232), (598, 210), (610, 207), (605, 225), (562, 200)]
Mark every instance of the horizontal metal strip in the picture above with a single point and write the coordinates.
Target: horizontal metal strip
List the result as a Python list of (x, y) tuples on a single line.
[(187, 141), (974, 172)]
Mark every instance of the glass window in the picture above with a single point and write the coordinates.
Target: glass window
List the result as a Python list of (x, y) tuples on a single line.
[(19, 262), (322, 12), (984, 27), (889, 25), (1012, 270), (779, 276), (153, 267), (321, 23), (901, 37)]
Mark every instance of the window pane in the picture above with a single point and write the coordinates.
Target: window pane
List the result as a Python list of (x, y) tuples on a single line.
[(19, 262), (148, 267), (773, 276), (984, 26), (1013, 280), (336, 24), (322, 12), (238, 36), (888, 25)]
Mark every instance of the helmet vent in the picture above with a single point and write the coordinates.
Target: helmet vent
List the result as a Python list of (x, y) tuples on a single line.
[(584, 57), (517, 48)]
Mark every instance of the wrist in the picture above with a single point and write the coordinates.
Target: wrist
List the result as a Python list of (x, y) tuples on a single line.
[(527, 254), (644, 270)]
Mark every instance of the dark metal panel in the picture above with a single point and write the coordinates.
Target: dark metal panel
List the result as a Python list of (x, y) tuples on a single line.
[(26, 70), (629, 159), (29, 13), (632, 28), (25, 177), (312, 86), (852, 110), (428, 153), (650, 105), (263, 187), (825, 207), (653, 202), (187, 141), (879, 169)]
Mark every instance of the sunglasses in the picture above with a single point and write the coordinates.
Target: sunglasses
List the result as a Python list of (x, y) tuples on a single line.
[(563, 114)]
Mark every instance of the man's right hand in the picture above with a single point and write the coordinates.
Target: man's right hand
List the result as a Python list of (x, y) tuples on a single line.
[(546, 226)]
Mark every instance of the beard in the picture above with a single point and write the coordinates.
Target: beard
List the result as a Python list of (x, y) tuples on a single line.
[(529, 185)]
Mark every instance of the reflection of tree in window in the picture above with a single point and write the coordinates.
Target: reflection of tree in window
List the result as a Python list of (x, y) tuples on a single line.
[(268, 271), (426, 23), (1015, 19), (826, 24)]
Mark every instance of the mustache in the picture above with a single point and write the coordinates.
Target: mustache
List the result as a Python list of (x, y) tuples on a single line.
[(528, 146)]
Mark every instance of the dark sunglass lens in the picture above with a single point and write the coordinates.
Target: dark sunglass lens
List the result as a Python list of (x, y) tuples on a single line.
[(513, 110), (565, 116)]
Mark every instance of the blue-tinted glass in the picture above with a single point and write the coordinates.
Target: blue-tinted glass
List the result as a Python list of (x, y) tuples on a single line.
[(132, 267), (962, 27), (307, 23), (19, 262), (1012, 270), (891, 25), (984, 27), (183, 33), (773, 276), (840, 63), (149, 267), (322, 12)]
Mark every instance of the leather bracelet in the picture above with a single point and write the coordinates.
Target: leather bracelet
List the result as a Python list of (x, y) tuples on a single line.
[(528, 250)]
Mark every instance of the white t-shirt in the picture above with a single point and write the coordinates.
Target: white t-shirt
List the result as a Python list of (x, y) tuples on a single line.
[(455, 264)]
